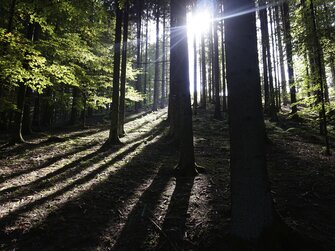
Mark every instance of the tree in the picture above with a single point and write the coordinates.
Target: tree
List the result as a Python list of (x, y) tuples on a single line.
[(216, 67), (114, 128), (252, 206), (124, 68), (289, 55), (179, 71), (157, 56)]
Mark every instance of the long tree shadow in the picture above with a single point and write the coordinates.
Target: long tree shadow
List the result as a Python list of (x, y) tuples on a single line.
[(71, 169), (49, 162), (9, 151), (81, 222), (138, 221), (20, 149), (174, 226)]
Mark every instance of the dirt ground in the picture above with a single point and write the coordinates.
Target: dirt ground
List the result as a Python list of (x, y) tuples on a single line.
[(70, 193)]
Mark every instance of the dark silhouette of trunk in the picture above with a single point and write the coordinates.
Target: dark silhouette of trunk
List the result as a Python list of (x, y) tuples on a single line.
[(270, 109), (175, 49), (124, 69), (114, 129), (156, 84), (146, 58), (163, 90), (195, 73), (289, 55), (216, 67), (212, 72), (252, 207), (203, 72), (262, 14), (281, 58), (274, 60), (224, 93), (180, 74), (210, 66), (139, 6)]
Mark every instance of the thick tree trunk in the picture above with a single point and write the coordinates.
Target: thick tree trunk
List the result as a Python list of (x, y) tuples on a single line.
[(124, 69), (252, 207), (180, 74), (114, 129)]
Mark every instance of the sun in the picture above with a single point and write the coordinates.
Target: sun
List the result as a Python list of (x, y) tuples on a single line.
[(198, 22)]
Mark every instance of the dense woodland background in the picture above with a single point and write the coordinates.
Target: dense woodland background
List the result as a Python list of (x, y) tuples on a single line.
[(244, 88)]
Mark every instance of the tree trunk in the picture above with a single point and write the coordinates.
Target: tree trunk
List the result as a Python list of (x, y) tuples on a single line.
[(163, 90), (114, 129), (289, 55), (281, 58), (156, 84), (224, 106), (18, 117), (203, 66), (180, 74), (124, 69), (274, 60), (146, 59), (262, 14), (216, 67), (252, 207), (139, 4), (195, 73)]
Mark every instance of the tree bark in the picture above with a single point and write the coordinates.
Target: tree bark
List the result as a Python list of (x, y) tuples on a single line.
[(114, 128), (124, 69), (180, 74), (252, 207)]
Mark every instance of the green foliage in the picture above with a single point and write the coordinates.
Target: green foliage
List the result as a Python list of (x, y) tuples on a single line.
[(70, 46)]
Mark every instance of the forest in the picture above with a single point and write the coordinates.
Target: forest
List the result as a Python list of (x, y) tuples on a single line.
[(167, 125)]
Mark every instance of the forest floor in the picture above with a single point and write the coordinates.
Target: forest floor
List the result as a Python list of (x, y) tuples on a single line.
[(70, 193)]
